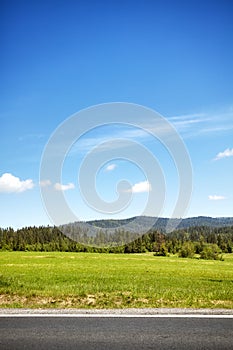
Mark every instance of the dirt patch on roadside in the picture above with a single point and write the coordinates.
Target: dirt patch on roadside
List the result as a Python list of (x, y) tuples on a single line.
[(100, 301)]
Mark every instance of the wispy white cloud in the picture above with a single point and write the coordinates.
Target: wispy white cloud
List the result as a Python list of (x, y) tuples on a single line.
[(110, 167), (183, 122), (12, 184), (186, 117), (60, 187), (225, 154), (208, 123), (140, 187), (45, 183), (216, 197), (105, 141), (134, 133), (219, 121), (216, 129), (188, 126), (102, 141)]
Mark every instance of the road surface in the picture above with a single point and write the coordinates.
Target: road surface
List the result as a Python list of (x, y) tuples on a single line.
[(95, 332)]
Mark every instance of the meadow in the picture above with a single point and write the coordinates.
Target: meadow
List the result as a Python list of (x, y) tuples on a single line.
[(92, 280)]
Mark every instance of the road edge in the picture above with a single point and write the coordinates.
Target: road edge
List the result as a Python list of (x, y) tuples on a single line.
[(117, 312)]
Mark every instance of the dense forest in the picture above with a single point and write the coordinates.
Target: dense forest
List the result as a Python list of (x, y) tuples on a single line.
[(208, 242)]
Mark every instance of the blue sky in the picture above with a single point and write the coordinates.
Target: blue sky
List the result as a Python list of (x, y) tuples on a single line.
[(60, 57)]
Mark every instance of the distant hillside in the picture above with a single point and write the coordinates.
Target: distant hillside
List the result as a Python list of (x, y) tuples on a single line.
[(142, 224), (161, 223), (206, 221)]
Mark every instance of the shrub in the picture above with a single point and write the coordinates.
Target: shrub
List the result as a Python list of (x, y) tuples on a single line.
[(187, 250), (211, 252), (162, 251)]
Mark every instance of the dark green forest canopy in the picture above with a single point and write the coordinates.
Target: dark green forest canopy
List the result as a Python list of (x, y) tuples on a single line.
[(185, 241)]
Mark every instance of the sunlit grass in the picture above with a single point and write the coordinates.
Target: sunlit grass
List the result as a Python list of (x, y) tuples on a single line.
[(55, 279)]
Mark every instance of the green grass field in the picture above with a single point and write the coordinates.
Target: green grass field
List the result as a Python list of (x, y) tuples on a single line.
[(88, 280)]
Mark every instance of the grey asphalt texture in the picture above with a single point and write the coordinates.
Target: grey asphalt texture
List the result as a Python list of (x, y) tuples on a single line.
[(111, 333)]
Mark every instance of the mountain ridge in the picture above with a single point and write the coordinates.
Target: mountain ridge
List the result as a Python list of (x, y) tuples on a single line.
[(145, 223)]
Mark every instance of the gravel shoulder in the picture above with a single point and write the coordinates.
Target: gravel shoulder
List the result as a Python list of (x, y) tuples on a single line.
[(129, 311)]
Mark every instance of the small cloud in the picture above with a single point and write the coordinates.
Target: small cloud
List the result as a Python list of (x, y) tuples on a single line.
[(60, 187), (140, 187), (110, 167), (45, 183), (12, 184), (216, 198), (227, 153)]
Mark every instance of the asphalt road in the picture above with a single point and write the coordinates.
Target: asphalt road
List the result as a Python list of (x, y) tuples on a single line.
[(111, 333)]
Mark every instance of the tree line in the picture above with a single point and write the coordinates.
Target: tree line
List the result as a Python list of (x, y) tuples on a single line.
[(206, 241)]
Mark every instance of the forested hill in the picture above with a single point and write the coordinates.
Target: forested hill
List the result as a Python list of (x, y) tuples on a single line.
[(207, 242), (138, 224), (206, 221)]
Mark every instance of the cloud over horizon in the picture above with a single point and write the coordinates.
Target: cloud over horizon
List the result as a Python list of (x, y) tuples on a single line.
[(110, 167), (60, 187), (45, 183), (140, 187), (216, 198), (12, 184), (227, 153)]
